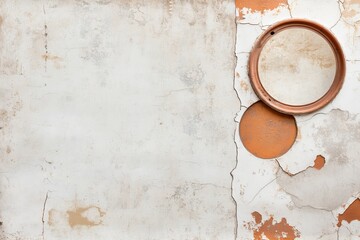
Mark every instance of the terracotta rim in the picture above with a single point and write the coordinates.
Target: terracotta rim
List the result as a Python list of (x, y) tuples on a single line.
[(297, 109)]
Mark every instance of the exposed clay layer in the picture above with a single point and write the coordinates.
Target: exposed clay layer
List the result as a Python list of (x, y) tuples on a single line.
[(273, 230), (352, 213), (259, 5), (319, 162), (257, 216)]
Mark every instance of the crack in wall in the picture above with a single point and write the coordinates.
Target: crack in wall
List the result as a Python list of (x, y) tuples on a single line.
[(289, 8), (261, 189), (235, 133), (302, 171), (232, 186), (43, 215), (45, 40), (340, 17)]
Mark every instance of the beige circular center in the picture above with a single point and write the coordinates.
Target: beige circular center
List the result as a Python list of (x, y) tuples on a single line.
[(297, 66)]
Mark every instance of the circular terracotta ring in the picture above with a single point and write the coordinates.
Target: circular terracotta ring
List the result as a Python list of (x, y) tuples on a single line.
[(297, 109)]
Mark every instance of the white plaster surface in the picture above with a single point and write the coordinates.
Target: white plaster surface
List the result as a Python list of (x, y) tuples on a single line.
[(120, 113), (288, 187)]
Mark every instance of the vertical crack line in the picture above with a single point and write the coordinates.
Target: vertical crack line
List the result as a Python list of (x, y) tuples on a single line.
[(236, 61), (43, 215), (45, 40), (234, 137), (288, 7), (232, 188)]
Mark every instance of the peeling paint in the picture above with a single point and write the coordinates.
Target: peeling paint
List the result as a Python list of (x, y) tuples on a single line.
[(258, 5), (352, 213), (273, 230), (319, 162), (257, 217), (310, 185)]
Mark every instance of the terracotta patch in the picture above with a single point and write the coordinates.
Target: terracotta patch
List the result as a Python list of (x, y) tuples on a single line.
[(265, 132), (78, 218), (352, 213), (258, 5), (273, 230), (257, 216), (319, 162)]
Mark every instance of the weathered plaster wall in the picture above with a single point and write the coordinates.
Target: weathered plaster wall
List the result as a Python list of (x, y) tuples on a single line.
[(117, 122), (117, 119), (311, 192)]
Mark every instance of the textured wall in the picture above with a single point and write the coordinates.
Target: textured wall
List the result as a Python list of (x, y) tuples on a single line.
[(116, 122), (117, 119), (311, 192)]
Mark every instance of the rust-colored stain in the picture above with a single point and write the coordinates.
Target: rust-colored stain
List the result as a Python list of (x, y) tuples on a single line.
[(77, 218), (8, 150), (319, 162), (352, 213), (273, 230), (265, 132), (258, 5), (257, 216)]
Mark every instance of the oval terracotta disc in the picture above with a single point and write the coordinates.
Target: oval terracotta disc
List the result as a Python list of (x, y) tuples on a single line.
[(265, 132)]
